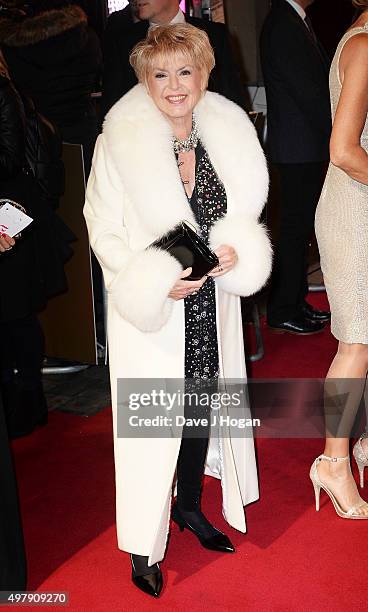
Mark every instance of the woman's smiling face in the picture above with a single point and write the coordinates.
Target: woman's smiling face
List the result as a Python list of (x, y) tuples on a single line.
[(176, 86)]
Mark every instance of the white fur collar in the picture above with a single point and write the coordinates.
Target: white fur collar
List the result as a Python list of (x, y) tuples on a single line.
[(139, 139)]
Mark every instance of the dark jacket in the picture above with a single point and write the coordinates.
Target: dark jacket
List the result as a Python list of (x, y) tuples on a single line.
[(54, 58), (44, 153), (119, 76), (12, 132), (33, 269), (118, 22), (295, 72)]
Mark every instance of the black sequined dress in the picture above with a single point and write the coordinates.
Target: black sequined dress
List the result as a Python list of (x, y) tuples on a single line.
[(209, 204)]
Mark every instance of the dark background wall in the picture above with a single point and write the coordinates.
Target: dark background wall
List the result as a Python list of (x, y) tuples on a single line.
[(330, 20)]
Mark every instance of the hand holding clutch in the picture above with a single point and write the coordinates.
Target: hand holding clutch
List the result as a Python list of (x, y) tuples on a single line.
[(183, 288), (228, 259), (189, 249)]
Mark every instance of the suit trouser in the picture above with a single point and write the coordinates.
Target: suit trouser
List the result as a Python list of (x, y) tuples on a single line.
[(300, 189), (12, 554), (23, 396)]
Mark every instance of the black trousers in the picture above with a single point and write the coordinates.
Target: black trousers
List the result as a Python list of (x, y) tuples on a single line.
[(191, 460), (23, 397), (12, 555), (300, 189), (24, 341)]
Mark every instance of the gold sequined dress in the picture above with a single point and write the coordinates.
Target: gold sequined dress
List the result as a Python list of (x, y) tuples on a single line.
[(342, 234)]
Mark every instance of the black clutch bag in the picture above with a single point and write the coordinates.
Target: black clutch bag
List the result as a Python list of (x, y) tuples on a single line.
[(189, 249)]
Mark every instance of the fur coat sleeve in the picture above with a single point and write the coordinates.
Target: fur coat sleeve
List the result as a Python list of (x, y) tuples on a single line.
[(138, 281), (234, 149), (249, 238)]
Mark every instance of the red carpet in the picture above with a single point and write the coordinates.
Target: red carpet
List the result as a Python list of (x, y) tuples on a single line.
[(292, 559)]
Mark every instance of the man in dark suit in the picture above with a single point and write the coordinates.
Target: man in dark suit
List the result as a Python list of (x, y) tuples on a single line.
[(296, 70), (122, 20), (119, 77), (117, 25)]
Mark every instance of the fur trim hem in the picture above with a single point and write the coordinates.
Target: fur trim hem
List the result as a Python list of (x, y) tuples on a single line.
[(250, 240), (140, 291), (32, 30)]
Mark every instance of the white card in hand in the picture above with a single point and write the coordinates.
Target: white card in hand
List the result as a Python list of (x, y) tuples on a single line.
[(13, 220)]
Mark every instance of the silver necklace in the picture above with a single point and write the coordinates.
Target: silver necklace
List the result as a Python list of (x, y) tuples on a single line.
[(190, 143)]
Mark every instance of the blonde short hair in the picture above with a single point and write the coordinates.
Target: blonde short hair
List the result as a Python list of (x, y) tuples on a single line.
[(166, 41), (362, 4)]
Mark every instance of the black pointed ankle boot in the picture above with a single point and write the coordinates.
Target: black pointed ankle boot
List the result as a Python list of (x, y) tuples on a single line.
[(148, 578), (196, 522)]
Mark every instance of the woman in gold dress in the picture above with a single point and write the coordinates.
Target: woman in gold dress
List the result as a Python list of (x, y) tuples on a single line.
[(342, 234)]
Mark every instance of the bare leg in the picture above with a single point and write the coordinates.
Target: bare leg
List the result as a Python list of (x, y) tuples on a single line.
[(346, 378)]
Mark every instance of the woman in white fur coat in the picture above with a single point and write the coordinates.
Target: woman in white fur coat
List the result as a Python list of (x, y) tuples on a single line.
[(170, 151)]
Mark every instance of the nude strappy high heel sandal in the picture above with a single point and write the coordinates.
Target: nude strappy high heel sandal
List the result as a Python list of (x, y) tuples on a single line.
[(361, 458), (318, 485)]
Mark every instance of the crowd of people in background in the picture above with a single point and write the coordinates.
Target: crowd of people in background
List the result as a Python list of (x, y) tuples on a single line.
[(52, 62)]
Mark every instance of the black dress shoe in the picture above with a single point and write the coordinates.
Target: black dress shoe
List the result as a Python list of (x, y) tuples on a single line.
[(196, 522), (300, 325), (148, 578), (314, 314)]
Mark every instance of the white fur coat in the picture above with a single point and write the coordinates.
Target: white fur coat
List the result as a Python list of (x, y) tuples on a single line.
[(137, 152), (134, 196)]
